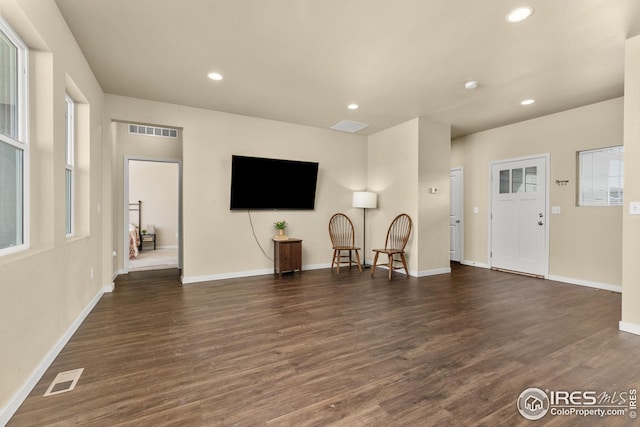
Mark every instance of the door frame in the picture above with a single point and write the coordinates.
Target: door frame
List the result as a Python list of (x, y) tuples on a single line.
[(547, 161), (460, 170), (125, 206)]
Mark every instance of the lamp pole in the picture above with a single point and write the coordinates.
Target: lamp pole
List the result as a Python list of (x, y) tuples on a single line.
[(364, 200)]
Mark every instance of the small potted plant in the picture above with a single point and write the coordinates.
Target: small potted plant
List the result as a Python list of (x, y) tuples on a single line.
[(280, 226)]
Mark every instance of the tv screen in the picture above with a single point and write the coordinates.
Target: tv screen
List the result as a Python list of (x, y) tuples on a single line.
[(261, 183)]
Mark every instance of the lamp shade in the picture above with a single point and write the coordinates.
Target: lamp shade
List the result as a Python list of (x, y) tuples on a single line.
[(364, 199)]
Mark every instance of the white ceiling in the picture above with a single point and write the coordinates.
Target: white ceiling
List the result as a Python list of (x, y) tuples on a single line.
[(304, 61)]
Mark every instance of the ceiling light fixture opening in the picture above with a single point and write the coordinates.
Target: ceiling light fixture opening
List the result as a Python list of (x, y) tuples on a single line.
[(471, 84), (353, 106), (215, 76), (527, 102), (519, 14)]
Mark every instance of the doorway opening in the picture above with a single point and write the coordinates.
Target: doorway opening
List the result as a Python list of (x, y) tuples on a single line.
[(456, 215), (152, 214)]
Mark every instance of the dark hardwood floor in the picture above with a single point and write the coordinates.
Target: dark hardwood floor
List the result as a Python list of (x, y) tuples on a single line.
[(316, 349)]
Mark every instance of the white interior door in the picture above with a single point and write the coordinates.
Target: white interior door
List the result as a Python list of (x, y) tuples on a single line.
[(519, 216), (455, 215)]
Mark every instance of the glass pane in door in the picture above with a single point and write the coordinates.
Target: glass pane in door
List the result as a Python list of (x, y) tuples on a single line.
[(516, 180), (531, 179), (504, 181)]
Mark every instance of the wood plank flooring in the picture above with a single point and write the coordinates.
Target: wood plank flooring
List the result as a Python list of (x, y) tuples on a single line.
[(319, 349)]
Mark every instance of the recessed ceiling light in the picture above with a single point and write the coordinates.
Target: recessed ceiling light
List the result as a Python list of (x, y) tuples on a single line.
[(353, 106), (528, 102), (471, 84), (215, 76), (519, 14)]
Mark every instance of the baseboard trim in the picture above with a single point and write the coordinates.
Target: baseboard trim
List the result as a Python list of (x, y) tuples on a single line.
[(19, 397), (475, 264), (108, 288), (588, 283), (433, 272), (629, 327), (188, 280)]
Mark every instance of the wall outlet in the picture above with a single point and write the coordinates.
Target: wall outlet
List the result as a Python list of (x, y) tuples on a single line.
[(555, 210), (91, 274), (634, 208)]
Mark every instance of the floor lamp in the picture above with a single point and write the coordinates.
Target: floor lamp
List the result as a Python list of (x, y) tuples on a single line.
[(365, 200)]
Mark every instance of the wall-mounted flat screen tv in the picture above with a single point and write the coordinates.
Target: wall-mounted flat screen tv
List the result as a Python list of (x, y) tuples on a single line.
[(262, 183)]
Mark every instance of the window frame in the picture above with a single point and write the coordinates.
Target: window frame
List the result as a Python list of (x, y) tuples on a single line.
[(69, 168), (21, 141), (580, 201)]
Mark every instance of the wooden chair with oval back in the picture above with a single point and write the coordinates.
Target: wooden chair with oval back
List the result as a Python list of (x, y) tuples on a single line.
[(397, 238), (343, 240)]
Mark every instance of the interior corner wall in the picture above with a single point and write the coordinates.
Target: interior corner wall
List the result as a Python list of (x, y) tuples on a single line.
[(631, 223), (393, 157), (46, 289), (585, 243), (434, 207), (220, 243)]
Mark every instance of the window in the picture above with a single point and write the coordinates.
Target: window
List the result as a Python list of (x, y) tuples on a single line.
[(601, 177), (13, 141), (519, 180), (69, 165)]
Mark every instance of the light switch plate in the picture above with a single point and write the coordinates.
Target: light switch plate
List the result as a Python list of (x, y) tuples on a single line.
[(634, 208), (555, 210)]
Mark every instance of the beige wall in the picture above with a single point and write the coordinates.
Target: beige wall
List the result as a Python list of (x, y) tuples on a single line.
[(631, 242), (404, 162), (393, 174), (219, 242), (156, 185), (584, 242), (433, 219), (39, 301)]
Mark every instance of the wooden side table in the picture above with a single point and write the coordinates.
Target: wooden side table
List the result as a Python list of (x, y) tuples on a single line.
[(287, 255), (148, 238)]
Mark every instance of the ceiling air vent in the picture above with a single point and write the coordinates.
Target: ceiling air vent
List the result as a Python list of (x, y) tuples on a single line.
[(153, 131), (349, 126)]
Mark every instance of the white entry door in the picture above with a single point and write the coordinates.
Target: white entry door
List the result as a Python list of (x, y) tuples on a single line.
[(519, 216), (455, 215)]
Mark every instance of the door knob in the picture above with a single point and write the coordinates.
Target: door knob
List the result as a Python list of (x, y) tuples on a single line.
[(540, 223), (457, 221)]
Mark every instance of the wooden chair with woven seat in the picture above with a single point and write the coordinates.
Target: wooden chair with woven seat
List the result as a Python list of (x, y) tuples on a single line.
[(343, 240), (397, 238)]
